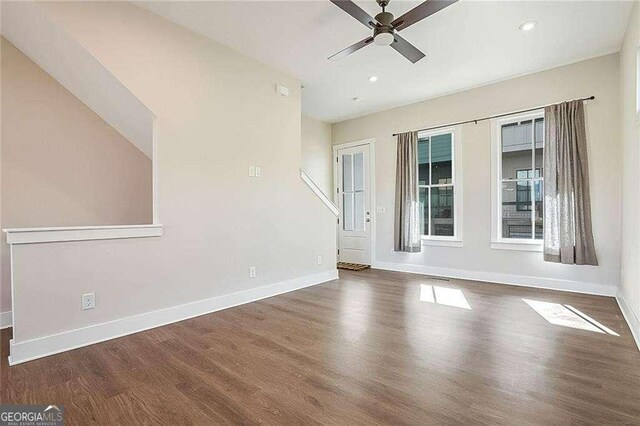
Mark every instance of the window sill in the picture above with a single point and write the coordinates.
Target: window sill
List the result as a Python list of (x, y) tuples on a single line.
[(441, 243), (518, 246), (80, 233)]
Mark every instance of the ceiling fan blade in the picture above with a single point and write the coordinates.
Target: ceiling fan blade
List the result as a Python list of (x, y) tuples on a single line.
[(420, 12), (354, 10), (349, 50), (406, 49)]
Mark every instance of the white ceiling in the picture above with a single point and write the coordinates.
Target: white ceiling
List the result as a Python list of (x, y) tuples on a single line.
[(468, 44)]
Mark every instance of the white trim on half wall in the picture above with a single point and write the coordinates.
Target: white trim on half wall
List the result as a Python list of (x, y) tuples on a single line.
[(80, 233), (61, 342)]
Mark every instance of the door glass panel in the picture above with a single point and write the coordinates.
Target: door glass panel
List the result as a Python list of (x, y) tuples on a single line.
[(358, 171), (347, 173), (516, 209), (347, 209), (441, 165), (442, 211), (359, 211)]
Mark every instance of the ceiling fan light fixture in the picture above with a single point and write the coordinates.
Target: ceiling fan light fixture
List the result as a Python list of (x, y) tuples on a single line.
[(383, 39)]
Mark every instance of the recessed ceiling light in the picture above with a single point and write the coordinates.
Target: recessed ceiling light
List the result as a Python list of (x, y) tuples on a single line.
[(373, 78), (356, 99), (528, 26)]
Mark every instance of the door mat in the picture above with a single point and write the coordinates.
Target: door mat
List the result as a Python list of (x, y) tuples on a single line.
[(352, 266)]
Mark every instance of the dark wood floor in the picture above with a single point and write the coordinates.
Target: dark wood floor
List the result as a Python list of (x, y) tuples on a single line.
[(361, 350)]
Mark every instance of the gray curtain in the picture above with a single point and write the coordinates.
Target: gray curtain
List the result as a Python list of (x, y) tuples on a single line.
[(568, 237), (407, 222)]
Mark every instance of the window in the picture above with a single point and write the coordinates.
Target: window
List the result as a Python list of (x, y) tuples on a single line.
[(437, 186), (518, 185), (523, 192)]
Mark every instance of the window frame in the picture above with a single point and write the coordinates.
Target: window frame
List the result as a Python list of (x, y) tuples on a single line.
[(638, 86), (497, 241), (454, 240)]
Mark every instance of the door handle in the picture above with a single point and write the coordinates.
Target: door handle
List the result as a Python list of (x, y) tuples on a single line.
[(368, 220)]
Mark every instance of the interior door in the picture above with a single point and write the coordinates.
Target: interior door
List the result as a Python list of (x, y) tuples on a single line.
[(354, 200)]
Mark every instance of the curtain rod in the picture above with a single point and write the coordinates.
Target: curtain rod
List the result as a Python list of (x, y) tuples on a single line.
[(491, 117)]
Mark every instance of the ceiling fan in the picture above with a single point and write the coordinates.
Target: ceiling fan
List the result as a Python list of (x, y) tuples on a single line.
[(385, 27)]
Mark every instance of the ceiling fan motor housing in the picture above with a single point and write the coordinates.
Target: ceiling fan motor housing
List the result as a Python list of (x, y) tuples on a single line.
[(383, 33), (385, 19)]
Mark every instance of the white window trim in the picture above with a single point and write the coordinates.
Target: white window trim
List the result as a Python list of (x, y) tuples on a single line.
[(456, 239), (638, 87), (497, 242)]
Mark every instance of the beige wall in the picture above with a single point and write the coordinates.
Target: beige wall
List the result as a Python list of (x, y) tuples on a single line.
[(630, 123), (599, 77), (62, 165), (217, 114), (317, 152)]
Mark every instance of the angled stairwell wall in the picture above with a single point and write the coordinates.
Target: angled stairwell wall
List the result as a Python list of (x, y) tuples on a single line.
[(62, 165), (30, 29)]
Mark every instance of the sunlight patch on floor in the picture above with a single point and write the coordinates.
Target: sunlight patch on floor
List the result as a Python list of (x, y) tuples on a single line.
[(567, 316), (443, 296)]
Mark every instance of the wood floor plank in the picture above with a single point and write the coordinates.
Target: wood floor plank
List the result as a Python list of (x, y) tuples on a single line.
[(369, 348)]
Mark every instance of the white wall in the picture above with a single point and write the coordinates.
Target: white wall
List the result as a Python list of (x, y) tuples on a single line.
[(317, 152), (217, 114), (599, 77), (630, 123), (62, 165)]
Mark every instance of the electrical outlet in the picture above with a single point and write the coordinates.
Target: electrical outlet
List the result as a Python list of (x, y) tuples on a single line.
[(319, 260), (252, 171), (252, 272), (258, 171), (88, 301)]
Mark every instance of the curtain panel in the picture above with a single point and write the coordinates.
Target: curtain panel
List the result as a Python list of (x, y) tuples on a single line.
[(407, 235), (568, 237)]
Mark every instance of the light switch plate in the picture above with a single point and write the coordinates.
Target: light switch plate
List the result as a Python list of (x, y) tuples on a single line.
[(258, 171), (252, 272), (252, 171)]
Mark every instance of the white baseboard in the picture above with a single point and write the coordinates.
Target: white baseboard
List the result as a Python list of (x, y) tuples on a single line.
[(5, 319), (519, 280), (56, 343), (630, 317)]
